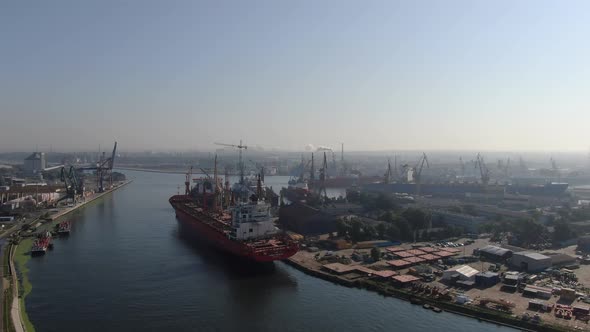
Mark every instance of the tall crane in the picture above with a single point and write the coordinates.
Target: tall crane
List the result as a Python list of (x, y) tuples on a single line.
[(73, 185), (483, 170), (323, 172), (555, 169), (388, 173), (104, 168), (240, 162), (418, 171), (462, 167)]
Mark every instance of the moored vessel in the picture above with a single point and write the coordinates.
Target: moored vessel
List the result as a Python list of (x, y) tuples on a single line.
[(63, 228), (234, 219), (41, 244)]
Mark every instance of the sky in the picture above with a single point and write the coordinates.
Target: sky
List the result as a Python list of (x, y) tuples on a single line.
[(376, 75)]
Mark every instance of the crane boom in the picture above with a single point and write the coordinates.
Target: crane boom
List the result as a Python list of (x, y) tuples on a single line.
[(241, 163)]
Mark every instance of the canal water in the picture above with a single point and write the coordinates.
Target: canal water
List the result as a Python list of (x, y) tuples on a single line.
[(126, 267)]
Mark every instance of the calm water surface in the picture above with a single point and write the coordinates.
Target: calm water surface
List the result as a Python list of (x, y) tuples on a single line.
[(126, 267)]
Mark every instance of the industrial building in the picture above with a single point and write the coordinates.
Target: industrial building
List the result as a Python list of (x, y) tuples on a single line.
[(494, 253), (486, 279), (35, 163), (463, 272), (530, 261)]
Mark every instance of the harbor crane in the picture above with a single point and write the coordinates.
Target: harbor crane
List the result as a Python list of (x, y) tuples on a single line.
[(104, 168), (323, 173), (240, 162), (483, 170), (73, 185), (388, 174), (418, 171)]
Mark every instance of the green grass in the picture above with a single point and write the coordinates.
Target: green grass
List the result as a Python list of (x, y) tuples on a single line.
[(21, 257)]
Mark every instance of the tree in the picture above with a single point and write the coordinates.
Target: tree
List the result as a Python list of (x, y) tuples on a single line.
[(416, 218), (342, 227), (381, 229), (356, 230), (375, 254), (562, 232)]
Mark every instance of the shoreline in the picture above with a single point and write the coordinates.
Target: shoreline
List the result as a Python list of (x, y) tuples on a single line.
[(489, 316), (18, 309)]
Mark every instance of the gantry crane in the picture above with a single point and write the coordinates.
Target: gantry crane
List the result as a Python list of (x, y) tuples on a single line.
[(418, 171), (483, 170)]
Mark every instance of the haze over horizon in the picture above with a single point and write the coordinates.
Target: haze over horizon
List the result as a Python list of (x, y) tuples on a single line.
[(376, 75)]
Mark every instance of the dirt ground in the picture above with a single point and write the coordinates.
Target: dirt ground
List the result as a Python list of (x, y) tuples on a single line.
[(521, 303)]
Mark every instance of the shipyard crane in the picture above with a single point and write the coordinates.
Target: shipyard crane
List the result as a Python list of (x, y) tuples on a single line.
[(418, 171), (483, 170), (73, 185), (312, 172), (507, 169), (388, 174), (241, 163), (104, 167), (555, 169), (462, 167), (323, 170)]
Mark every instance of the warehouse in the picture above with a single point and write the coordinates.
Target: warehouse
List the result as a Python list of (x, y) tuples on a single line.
[(530, 261), (464, 273), (495, 253)]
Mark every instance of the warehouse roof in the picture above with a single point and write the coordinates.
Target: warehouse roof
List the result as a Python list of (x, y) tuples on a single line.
[(533, 255), (493, 250), (464, 270)]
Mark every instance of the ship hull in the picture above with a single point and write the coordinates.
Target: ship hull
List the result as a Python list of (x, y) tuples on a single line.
[(221, 241)]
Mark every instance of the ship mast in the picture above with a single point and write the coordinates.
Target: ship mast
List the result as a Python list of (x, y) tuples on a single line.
[(216, 193), (187, 181)]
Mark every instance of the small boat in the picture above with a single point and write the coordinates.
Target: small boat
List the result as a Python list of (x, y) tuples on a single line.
[(437, 309), (426, 306), (63, 228)]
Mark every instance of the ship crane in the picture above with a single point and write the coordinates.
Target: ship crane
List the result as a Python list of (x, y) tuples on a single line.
[(483, 170), (418, 171), (259, 168), (241, 163)]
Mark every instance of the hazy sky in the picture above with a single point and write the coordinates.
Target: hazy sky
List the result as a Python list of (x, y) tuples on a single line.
[(483, 75)]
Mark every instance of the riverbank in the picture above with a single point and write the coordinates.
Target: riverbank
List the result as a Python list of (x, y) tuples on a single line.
[(91, 199), (388, 290), (20, 284)]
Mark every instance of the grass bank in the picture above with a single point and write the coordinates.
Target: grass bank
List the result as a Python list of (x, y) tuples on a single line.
[(21, 257)]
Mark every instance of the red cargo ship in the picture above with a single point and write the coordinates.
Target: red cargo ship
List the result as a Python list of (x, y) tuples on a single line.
[(236, 220)]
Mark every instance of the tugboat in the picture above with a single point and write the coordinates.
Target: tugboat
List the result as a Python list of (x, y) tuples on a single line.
[(63, 228)]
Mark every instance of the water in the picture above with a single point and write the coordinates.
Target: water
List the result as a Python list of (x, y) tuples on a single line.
[(125, 267)]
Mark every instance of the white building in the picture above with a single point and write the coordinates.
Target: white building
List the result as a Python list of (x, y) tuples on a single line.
[(464, 272)]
